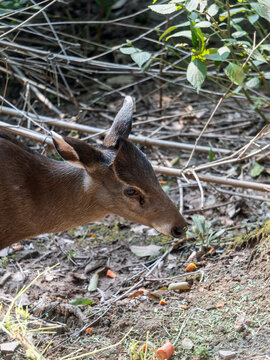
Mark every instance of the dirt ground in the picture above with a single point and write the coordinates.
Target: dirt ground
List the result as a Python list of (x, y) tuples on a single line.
[(224, 313), (226, 308)]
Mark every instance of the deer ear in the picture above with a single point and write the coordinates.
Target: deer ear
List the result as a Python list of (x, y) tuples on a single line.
[(142, 175), (122, 124), (77, 152)]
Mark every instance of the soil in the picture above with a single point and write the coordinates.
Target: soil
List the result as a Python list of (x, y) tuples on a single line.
[(226, 308)]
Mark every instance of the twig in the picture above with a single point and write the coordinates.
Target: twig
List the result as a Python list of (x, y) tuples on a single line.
[(159, 169), (209, 207), (93, 130), (27, 20), (223, 97), (213, 179), (200, 186), (181, 195)]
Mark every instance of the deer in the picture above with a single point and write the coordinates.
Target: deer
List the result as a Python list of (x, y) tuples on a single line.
[(41, 195)]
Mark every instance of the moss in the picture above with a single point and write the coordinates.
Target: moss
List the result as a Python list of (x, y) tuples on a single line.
[(112, 233), (251, 239)]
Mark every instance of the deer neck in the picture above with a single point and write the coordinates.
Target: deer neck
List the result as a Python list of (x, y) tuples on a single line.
[(66, 197)]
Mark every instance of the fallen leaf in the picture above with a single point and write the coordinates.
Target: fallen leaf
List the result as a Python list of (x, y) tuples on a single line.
[(141, 251), (93, 282), (136, 294), (256, 170)]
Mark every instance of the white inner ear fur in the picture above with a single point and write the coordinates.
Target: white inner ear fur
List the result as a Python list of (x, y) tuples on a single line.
[(87, 182)]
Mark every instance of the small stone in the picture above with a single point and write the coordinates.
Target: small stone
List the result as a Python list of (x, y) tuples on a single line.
[(187, 344), (9, 347), (227, 354)]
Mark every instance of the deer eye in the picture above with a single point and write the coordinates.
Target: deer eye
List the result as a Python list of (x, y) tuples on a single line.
[(131, 192)]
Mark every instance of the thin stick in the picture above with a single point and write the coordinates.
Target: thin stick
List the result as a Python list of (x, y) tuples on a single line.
[(93, 130), (27, 20), (222, 98), (181, 195), (159, 169), (200, 186)]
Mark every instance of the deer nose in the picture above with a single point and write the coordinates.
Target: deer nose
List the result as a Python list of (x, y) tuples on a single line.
[(178, 231)]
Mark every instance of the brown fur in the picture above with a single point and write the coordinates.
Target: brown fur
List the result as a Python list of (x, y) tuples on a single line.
[(40, 195)]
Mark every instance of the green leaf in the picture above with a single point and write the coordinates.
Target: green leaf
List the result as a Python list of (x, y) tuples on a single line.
[(184, 33), (203, 4), (203, 24), (233, 11), (256, 7), (238, 34), (217, 234), (164, 9), (253, 18), (196, 73), (194, 37), (265, 9), (141, 57), (192, 5), (129, 50), (256, 55), (81, 301), (213, 9), (198, 221), (267, 75), (256, 170), (235, 21), (172, 28), (220, 55), (265, 47), (235, 74), (197, 37), (253, 82)]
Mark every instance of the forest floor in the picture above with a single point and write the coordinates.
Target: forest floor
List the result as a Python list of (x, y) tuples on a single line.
[(227, 307), (224, 310), (224, 313)]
